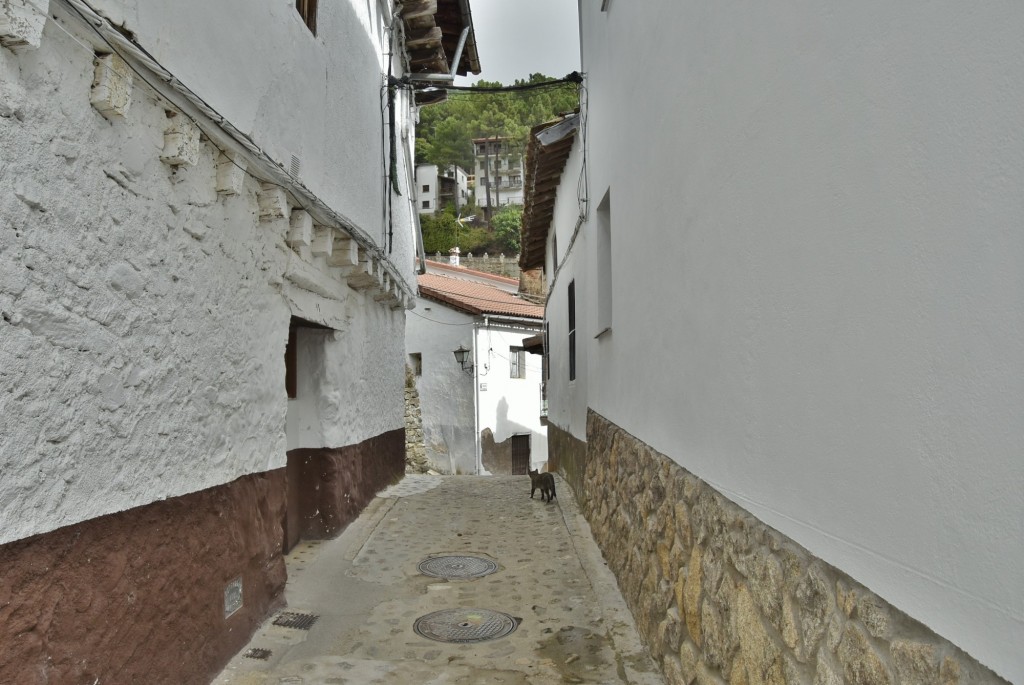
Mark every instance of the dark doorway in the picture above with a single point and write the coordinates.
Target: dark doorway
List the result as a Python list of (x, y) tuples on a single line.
[(520, 455), (298, 329)]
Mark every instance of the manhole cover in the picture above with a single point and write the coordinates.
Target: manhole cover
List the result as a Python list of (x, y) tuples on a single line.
[(457, 567), (465, 625), (288, 619)]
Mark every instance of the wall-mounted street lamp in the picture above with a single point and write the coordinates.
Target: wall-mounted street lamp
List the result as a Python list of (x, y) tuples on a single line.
[(462, 357)]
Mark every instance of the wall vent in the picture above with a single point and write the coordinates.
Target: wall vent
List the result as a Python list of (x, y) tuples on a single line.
[(296, 166), (233, 597)]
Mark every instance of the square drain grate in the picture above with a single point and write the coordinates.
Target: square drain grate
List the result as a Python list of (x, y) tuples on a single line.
[(258, 653), (288, 619)]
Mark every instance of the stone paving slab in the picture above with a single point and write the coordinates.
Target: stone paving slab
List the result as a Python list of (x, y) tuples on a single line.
[(368, 592)]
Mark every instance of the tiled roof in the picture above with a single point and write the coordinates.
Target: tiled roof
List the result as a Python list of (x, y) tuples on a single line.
[(476, 298)]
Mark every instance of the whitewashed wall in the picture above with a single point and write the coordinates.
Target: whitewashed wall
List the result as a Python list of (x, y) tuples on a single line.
[(446, 391), (567, 400), (509, 406), (315, 97), (145, 317), (824, 322)]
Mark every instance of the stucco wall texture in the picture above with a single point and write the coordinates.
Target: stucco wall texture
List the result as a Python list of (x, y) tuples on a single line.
[(144, 319), (824, 323)]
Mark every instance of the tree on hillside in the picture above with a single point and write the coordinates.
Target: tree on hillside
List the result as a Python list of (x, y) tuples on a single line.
[(507, 224), (445, 132)]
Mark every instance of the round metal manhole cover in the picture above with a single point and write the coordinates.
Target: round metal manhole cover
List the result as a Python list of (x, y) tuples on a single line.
[(457, 567), (465, 625)]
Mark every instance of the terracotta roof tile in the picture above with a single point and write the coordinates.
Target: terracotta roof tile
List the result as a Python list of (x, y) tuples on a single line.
[(476, 298)]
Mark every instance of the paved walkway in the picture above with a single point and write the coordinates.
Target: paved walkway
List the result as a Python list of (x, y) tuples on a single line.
[(368, 592)]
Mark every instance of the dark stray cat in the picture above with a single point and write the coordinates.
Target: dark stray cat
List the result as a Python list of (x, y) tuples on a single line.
[(545, 482)]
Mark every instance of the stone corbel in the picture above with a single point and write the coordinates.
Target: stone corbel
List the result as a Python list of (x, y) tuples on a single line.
[(323, 241), (273, 202), (21, 23), (181, 142), (111, 93), (344, 252), (300, 232), (231, 170), (363, 275)]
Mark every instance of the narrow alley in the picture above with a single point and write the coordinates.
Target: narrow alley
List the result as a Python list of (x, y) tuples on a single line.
[(568, 624)]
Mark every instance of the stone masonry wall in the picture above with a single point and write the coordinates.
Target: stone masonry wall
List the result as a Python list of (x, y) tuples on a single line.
[(721, 598), (415, 450), (499, 265)]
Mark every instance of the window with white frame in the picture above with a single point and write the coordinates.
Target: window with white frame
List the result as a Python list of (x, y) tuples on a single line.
[(516, 362)]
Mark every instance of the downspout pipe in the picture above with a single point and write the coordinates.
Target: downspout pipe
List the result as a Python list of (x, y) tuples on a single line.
[(476, 398)]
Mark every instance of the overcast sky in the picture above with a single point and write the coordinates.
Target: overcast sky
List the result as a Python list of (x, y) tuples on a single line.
[(516, 38)]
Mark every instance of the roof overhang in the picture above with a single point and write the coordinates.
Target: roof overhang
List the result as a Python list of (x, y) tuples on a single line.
[(534, 344), (546, 153), (433, 32)]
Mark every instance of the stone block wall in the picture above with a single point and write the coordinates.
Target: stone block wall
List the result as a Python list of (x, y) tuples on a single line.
[(721, 598), (499, 266), (415, 449)]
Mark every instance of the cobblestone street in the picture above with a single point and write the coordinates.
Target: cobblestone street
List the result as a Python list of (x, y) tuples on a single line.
[(367, 591)]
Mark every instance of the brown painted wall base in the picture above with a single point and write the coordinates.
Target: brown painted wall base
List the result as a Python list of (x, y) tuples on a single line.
[(336, 484), (138, 596)]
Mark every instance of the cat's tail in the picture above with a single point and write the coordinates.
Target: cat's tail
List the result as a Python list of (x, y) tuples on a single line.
[(553, 493)]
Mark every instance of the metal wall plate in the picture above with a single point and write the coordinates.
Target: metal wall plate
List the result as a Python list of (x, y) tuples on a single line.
[(233, 597)]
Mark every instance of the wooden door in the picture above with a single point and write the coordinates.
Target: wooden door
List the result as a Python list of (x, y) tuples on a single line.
[(520, 455)]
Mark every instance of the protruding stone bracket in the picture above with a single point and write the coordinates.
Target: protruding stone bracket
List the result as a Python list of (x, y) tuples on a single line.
[(323, 241), (231, 170), (181, 142), (21, 23), (273, 202), (344, 252), (111, 93), (300, 232), (362, 275), (391, 294)]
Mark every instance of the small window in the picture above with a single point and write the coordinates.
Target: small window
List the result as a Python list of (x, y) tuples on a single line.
[(426, 188), (516, 362), (307, 10), (572, 330), (426, 204), (604, 264)]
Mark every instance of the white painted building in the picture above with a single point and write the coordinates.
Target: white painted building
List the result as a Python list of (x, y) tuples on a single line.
[(435, 190), (823, 322), (485, 418), (498, 172), (204, 272)]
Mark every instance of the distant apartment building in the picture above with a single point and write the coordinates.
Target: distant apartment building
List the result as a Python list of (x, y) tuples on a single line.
[(499, 172), (435, 190)]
